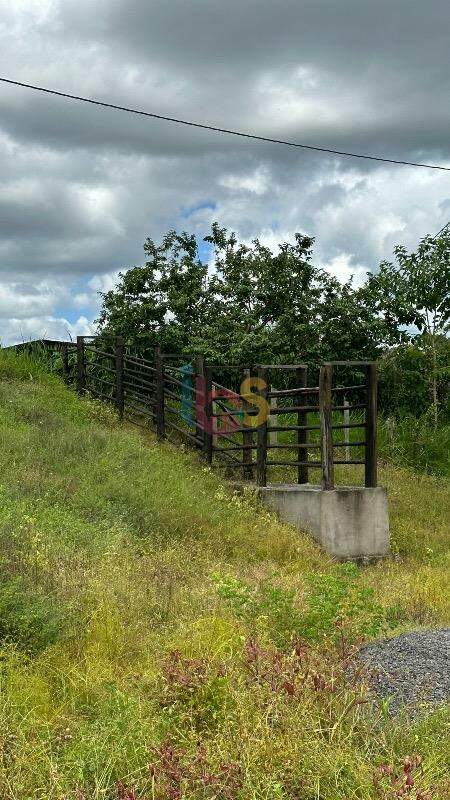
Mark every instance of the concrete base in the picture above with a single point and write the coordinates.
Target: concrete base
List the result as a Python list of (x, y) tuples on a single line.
[(349, 522)]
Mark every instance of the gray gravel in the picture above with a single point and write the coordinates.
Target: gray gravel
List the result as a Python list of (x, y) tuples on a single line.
[(411, 669)]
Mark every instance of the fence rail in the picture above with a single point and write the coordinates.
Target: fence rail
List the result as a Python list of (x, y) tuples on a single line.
[(269, 420)]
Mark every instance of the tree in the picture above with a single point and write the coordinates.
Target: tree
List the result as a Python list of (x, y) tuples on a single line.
[(415, 291), (405, 378), (160, 302), (252, 306)]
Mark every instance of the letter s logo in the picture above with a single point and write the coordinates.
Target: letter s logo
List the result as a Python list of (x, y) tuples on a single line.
[(250, 420)]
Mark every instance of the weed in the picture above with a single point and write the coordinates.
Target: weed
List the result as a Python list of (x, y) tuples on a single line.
[(194, 690), (176, 776), (331, 597), (416, 442), (393, 784)]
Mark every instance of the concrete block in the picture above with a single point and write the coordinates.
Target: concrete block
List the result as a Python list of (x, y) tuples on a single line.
[(349, 522)]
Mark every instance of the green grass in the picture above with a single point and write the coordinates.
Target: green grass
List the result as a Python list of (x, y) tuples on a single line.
[(417, 442), (148, 620)]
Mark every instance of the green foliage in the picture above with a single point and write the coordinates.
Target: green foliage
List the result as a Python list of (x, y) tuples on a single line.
[(410, 432), (34, 363), (416, 289), (194, 691), (259, 306), (330, 598), (254, 306), (405, 374), (340, 597), (142, 684), (267, 605), (28, 616), (416, 442)]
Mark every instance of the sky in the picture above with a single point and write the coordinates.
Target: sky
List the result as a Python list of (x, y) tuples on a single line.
[(82, 187)]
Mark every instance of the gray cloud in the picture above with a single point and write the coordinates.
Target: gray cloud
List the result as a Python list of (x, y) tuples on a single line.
[(82, 187)]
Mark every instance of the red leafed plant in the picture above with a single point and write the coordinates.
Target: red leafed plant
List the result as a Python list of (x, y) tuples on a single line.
[(123, 793), (173, 774), (296, 671), (180, 672), (393, 784)]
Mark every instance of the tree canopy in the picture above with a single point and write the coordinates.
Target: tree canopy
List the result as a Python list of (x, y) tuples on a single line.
[(248, 305), (414, 291)]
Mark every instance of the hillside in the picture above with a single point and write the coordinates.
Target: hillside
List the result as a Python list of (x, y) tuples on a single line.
[(163, 638)]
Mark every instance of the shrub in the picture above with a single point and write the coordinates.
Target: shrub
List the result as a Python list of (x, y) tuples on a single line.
[(405, 378), (334, 597), (416, 442), (340, 597), (194, 690)]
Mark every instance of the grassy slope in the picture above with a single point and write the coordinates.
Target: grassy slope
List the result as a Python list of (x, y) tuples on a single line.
[(116, 552)]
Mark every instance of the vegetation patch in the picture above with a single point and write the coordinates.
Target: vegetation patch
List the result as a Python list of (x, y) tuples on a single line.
[(164, 638)]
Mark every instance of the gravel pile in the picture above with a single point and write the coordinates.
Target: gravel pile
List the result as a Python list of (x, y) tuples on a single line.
[(412, 669)]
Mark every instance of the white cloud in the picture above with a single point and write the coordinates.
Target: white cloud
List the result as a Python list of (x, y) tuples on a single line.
[(24, 300), (90, 300), (343, 269), (104, 283), (255, 183), (81, 187), (14, 331)]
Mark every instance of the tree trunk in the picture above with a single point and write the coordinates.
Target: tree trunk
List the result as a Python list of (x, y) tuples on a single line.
[(434, 379)]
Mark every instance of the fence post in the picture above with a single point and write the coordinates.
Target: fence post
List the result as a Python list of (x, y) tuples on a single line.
[(159, 376), (371, 425), (199, 381), (208, 419), (214, 419), (326, 435), (120, 400), (302, 420), (247, 441), (65, 361), (273, 421), (346, 418), (261, 458), (81, 371)]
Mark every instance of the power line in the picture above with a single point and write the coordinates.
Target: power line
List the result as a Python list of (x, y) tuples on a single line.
[(203, 126), (442, 230)]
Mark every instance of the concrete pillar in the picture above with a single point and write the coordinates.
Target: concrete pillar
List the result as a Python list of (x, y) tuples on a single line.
[(349, 522)]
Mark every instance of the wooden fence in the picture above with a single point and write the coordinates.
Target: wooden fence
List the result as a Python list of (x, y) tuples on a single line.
[(272, 425)]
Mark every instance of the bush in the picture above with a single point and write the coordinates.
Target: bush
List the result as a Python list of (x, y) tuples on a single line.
[(405, 378), (416, 442), (333, 597), (339, 596)]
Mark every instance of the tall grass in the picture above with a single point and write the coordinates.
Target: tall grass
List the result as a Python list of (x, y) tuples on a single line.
[(416, 442), (34, 363), (164, 638)]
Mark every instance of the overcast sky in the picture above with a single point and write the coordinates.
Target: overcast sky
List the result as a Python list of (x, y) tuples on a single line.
[(81, 187)]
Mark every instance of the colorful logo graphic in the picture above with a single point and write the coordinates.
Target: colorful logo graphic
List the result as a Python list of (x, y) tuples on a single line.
[(229, 411)]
